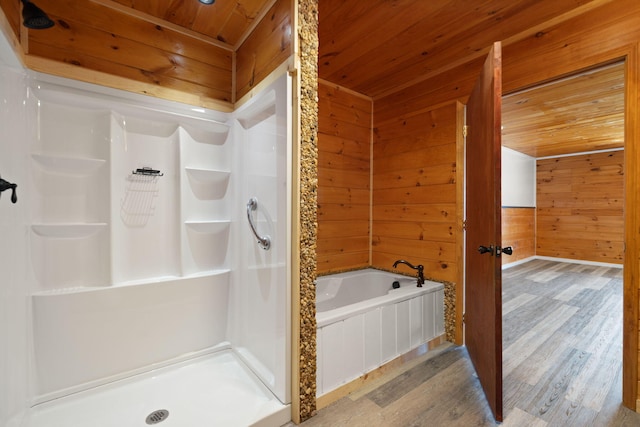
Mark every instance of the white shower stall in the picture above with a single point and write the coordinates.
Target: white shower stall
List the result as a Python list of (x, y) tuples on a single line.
[(132, 283)]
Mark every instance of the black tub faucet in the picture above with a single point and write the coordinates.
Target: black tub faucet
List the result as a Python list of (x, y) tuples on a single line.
[(6, 185), (420, 269)]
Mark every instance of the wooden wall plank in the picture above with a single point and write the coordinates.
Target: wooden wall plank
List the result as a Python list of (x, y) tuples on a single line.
[(437, 174), (580, 207), (352, 196), (415, 191), (340, 211), (345, 245), (429, 156), (433, 269), (439, 232), (344, 152), (268, 46), (342, 261), (441, 212), (518, 231), (343, 228)]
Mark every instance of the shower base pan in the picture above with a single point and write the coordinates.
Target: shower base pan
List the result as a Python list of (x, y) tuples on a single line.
[(213, 390)]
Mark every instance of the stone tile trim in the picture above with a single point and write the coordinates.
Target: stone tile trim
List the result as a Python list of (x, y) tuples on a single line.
[(450, 311), (308, 39)]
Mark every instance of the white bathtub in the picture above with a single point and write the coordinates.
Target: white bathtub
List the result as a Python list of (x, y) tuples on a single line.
[(363, 323)]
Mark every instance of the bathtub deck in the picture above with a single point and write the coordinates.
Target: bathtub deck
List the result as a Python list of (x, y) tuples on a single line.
[(215, 390)]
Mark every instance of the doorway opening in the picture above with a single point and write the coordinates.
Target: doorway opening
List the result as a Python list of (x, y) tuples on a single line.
[(562, 291)]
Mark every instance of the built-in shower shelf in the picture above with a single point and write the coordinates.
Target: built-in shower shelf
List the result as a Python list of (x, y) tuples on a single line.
[(207, 132), (75, 166), (69, 290), (208, 175), (210, 273), (207, 226), (68, 230)]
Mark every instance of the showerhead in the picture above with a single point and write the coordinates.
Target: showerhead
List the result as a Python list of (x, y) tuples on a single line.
[(33, 17)]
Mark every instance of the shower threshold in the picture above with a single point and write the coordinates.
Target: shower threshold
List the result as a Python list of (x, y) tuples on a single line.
[(213, 390)]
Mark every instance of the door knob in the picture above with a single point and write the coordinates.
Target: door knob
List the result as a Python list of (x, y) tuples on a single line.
[(484, 250), (508, 250)]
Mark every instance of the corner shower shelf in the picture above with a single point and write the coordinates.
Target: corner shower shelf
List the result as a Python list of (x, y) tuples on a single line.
[(207, 226), (212, 176), (68, 231), (68, 165)]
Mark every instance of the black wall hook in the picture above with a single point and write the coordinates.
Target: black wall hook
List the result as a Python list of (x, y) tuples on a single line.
[(5, 185)]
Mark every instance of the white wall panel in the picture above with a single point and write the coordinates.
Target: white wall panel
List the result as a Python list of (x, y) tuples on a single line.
[(353, 347), (403, 327), (417, 336), (388, 332), (518, 179), (333, 372), (372, 339)]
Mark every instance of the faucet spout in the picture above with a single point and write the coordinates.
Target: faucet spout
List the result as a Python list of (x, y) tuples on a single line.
[(419, 267), (6, 185)]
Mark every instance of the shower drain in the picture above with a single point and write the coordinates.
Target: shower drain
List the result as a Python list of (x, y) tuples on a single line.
[(157, 416)]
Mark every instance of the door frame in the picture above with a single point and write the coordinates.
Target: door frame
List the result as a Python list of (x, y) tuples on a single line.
[(631, 274)]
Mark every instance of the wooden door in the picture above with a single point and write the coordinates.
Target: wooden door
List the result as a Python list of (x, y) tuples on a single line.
[(483, 269)]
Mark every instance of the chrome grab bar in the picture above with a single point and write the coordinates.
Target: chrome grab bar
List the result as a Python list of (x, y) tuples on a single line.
[(264, 242)]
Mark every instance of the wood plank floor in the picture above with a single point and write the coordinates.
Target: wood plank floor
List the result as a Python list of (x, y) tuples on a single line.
[(562, 354)]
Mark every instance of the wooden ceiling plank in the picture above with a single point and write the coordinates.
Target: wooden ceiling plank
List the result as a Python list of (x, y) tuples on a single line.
[(210, 19), (584, 112), (239, 19), (362, 29), (154, 20), (179, 12), (369, 50), (506, 20), (146, 33)]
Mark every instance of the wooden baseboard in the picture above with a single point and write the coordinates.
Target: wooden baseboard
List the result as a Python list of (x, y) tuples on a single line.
[(403, 361)]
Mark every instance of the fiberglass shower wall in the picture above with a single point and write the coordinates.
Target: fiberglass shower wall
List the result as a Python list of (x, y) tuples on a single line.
[(116, 292), (260, 294), (140, 247)]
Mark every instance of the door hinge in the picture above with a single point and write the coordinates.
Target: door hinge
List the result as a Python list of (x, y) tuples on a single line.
[(464, 224), (463, 317), (465, 130)]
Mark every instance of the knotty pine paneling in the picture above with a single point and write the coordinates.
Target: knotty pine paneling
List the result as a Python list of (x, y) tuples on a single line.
[(414, 191), (344, 197), (11, 11), (110, 45), (518, 231), (547, 52), (596, 37), (268, 46), (109, 41), (224, 20), (580, 202), (374, 47)]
